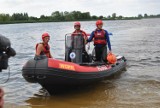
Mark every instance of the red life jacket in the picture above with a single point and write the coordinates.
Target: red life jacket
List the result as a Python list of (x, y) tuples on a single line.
[(46, 50), (81, 32), (99, 37)]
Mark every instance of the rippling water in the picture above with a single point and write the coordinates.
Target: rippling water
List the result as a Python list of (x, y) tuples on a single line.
[(137, 87)]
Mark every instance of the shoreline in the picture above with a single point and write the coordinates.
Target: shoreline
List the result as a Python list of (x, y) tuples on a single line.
[(20, 22)]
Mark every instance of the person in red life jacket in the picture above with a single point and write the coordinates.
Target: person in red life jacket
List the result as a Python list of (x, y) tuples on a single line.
[(44, 48), (101, 39), (77, 27), (77, 32)]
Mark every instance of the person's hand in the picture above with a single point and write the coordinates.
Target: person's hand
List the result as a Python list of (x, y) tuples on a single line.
[(85, 41), (110, 52), (110, 34)]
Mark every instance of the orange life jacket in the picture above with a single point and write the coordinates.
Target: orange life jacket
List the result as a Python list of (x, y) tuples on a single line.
[(99, 37), (46, 50)]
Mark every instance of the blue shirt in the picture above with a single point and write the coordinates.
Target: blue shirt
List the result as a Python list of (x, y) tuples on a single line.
[(107, 39)]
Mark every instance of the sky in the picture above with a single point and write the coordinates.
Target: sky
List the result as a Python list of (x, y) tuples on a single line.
[(37, 8)]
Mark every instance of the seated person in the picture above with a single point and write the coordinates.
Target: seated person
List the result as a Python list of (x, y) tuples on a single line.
[(44, 48)]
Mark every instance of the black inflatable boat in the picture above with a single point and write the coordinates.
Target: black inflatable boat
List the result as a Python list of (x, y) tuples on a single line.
[(77, 69)]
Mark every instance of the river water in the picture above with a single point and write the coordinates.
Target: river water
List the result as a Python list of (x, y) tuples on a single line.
[(137, 87)]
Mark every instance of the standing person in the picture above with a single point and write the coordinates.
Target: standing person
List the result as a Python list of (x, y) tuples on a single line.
[(79, 32), (101, 39), (44, 48)]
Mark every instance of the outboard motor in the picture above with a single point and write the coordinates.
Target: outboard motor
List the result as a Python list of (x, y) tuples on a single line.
[(74, 47), (5, 52)]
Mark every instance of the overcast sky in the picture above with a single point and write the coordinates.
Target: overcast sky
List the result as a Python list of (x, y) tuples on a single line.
[(95, 7)]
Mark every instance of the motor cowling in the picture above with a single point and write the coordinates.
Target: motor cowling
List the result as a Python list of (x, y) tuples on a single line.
[(5, 52), (3, 61)]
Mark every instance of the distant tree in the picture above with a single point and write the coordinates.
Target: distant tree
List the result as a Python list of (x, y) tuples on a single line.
[(158, 15), (140, 16), (25, 15), (42, 17), (94, 17), (31, 18), (86, 15), (20, 17), (145, 15), (67, 16), (76, 15), (120, 17), (4, 17), (100, 17), (108, 17), (56, 16), (114, 16)]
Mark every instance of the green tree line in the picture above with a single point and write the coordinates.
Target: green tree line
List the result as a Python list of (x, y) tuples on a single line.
[(64, 16)]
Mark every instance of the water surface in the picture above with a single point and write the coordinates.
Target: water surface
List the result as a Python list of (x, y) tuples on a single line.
[(137, 87)]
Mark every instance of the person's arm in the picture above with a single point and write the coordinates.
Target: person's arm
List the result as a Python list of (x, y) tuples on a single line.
[(84, 36), (39, 49), (108, 40), (50, 55), (91, 37)]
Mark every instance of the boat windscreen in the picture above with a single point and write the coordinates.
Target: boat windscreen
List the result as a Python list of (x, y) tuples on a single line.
[(75, 41)]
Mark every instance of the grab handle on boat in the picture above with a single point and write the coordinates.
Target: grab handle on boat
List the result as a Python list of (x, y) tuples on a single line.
[(41, 77), (113, 65), (117, 63), (29, 76)]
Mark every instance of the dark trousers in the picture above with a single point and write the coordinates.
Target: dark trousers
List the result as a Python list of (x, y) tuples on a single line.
[(101, 53)]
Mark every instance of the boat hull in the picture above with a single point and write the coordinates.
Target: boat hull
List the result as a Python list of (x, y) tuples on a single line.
[(53, 74)]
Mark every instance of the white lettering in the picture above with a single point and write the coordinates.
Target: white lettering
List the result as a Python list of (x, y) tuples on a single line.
[(102, 68)]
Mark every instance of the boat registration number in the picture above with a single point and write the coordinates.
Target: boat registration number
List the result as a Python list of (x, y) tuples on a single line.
[(102, 68)]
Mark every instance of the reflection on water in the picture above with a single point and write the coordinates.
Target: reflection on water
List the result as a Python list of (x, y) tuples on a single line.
[(137, 87), (80, 97)]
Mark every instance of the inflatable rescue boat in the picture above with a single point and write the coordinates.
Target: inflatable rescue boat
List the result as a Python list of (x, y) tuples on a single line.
[(78, 68)]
